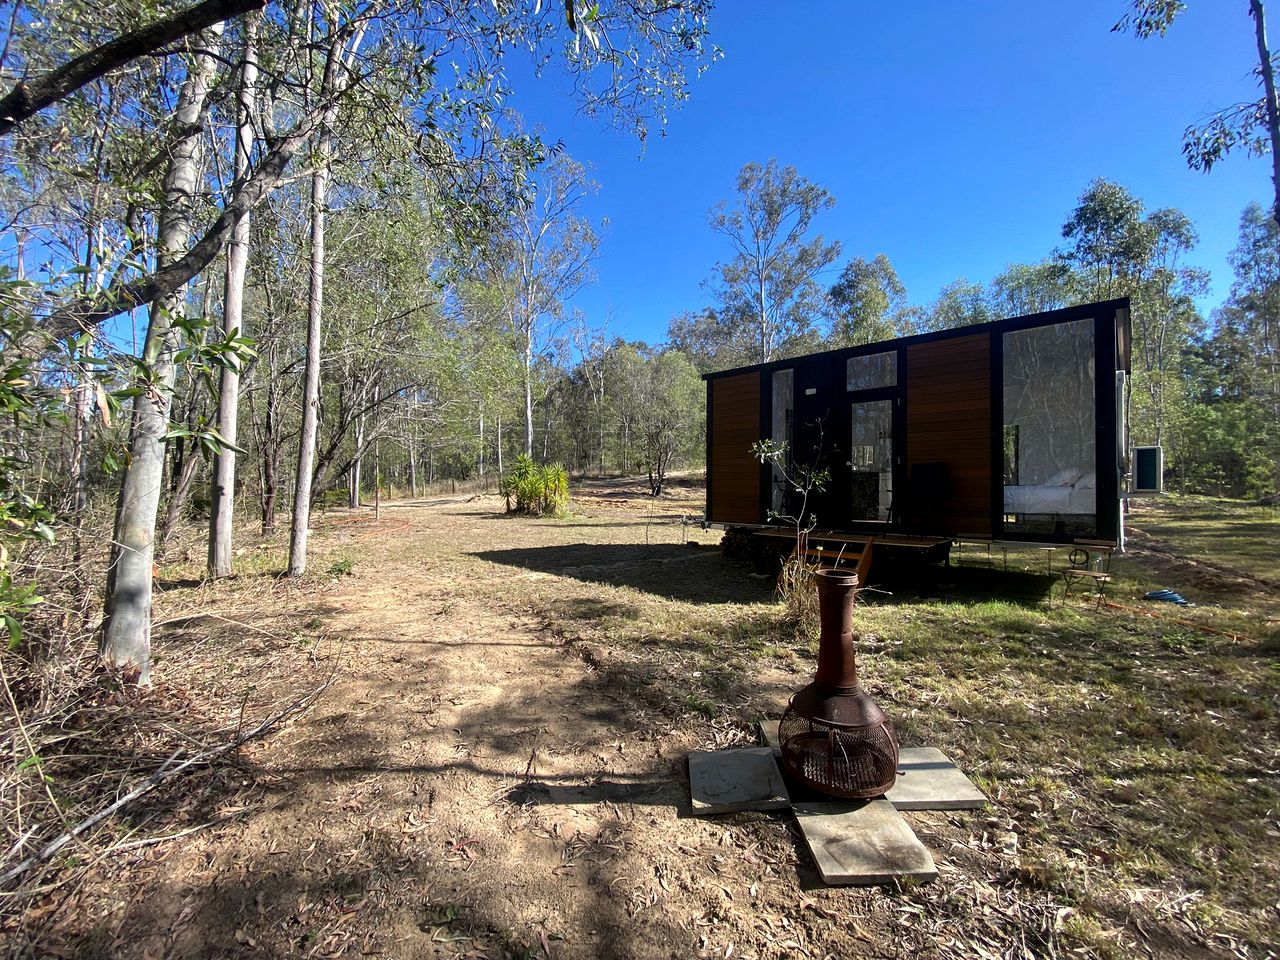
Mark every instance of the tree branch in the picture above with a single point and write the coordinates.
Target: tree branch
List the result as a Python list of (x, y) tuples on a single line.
[(28, 98)]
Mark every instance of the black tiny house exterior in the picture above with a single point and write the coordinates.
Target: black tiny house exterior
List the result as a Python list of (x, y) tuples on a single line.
[(1011, 430)]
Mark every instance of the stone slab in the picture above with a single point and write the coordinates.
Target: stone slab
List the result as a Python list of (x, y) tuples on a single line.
[(730, 781), (769, 736), (927, 779), (862, 843)]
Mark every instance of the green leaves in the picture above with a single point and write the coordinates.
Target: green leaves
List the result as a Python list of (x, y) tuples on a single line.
[(206, 438), (536, 490), (1149, 17)]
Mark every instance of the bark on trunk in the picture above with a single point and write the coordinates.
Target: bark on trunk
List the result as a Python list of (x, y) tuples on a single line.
[(30, 96), (499, 439), (126, 637), (311, 379), (222, 493), (413, 472), (353, 476), (178, 500), (528, 397), (1273, 101)]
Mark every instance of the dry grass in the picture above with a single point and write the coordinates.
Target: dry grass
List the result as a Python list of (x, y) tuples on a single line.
[(1132, 760)]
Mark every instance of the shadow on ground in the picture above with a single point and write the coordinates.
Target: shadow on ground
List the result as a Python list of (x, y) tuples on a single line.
[(693, 575)]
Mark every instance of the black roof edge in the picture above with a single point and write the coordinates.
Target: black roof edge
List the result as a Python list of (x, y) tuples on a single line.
[(1061, 315)]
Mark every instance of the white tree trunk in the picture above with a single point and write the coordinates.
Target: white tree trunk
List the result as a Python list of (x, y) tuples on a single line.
[(482, 443), (499, 441), (528, 395), (413, 471), (222, 493), (354, 477), (126, 637), (311, 379)]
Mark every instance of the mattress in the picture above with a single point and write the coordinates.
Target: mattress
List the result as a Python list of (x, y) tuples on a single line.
[(1050, 499)]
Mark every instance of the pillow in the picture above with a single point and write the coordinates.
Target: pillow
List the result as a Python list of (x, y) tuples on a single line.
[(1064, 478), (1088, 481)]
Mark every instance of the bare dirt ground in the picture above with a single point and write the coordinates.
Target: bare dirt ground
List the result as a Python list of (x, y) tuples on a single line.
[(492, 773)]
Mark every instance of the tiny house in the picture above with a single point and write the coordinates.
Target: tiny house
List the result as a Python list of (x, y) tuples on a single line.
[(1011, 430)]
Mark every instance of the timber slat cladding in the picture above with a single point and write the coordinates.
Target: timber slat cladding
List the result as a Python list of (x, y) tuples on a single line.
[(735, 473), (949, 421)]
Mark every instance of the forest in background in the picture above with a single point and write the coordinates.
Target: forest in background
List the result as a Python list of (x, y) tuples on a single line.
[(309, 253), (283, 254)]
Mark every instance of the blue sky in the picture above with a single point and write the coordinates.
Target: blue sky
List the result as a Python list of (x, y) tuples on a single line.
[(954, 137)]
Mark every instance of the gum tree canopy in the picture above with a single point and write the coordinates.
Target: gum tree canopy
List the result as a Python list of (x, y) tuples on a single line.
[(1253, 126)]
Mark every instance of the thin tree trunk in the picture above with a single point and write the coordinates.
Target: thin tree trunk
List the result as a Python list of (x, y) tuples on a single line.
[(413, 471), (222, 494), (270, 494), (126, 637), (499, 439), (85, 395), (353, 475), (311, 379), (528, 397), (1267, 70), (269, 449), (482, 443), (178, 500)]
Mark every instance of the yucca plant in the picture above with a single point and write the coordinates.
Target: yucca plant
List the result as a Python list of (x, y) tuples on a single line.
[(555, 489), (535, 490)]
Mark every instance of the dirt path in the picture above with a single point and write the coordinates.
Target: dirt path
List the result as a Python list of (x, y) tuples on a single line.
[(468, 786), (498, 768)]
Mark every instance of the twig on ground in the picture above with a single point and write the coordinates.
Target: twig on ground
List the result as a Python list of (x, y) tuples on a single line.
[(165, 772)]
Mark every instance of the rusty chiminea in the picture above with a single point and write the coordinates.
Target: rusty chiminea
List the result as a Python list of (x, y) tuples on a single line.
[(833, 736)]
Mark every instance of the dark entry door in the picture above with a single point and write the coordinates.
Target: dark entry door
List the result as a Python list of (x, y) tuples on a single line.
[(820, 442)]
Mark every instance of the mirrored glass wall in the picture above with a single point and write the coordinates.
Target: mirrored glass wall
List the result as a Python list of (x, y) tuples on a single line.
[(1050, 482)]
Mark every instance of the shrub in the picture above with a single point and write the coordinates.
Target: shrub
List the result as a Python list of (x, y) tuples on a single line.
[(342, 567), (535, 490)]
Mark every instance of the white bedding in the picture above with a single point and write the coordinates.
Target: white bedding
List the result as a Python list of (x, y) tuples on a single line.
[(1051, 499)]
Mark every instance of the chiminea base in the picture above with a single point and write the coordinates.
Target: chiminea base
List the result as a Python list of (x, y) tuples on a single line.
[(857, 761)]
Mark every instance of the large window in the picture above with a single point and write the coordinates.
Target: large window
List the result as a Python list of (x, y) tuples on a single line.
[(783, 430), (871, 460), (1050, 418)]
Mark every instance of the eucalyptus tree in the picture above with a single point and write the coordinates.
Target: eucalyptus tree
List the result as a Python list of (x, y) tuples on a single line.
[(222, 491), (126, 634), (771, 284), (277, 306), (960, 303), (32, 94), (547, 250), (385, 341), (491, 364), (867, 302), (671, 414), (337, 75), (711, 339), (592, 346), (315, 72), (1025, 288), (1108, 243), (1118, 249), (1246, 342), (1252, 126)]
